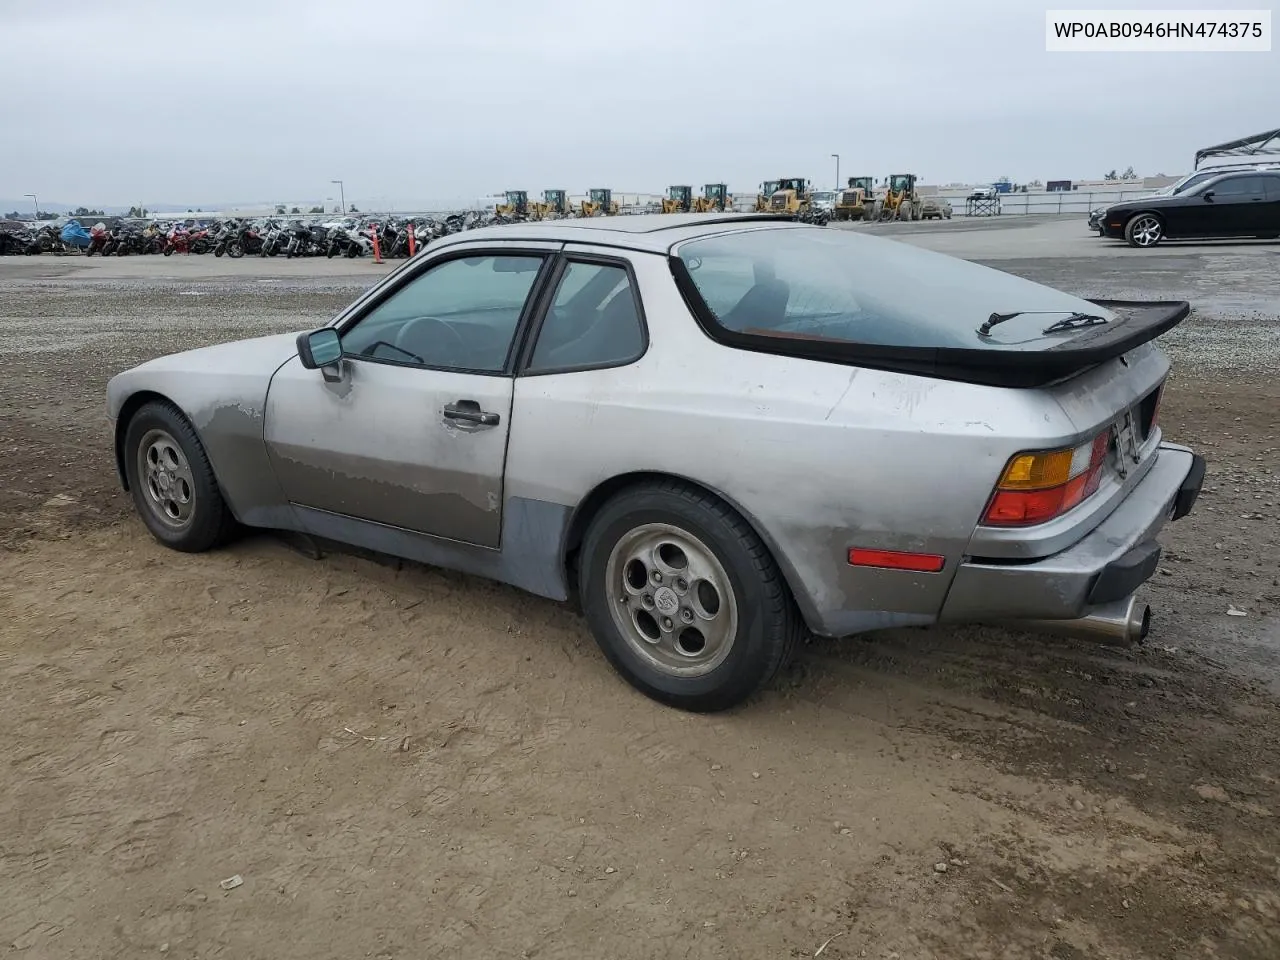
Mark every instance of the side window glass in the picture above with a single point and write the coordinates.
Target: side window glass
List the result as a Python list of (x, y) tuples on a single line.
[(592, 321), (1238, 186), (460, 315)]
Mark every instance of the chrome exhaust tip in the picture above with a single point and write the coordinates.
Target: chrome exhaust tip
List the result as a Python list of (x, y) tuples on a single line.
[(1122, 623)]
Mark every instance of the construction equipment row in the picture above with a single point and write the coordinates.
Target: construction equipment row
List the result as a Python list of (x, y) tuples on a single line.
[(600, 202), (897, 200)]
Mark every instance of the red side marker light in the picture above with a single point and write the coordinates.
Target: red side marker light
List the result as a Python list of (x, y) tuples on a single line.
[(896, 560)]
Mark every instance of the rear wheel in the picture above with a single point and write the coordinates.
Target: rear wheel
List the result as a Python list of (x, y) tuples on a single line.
[(172, 483), (1144, 230), (683, 598)]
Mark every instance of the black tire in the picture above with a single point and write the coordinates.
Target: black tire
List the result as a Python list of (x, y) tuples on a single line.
[(235, 250), (768, 625), (211, 522)]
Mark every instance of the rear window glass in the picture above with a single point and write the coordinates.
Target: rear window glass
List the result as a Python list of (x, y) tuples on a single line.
[(822, 283)]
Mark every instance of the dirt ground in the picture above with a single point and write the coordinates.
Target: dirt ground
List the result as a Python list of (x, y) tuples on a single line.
[(402, 762)]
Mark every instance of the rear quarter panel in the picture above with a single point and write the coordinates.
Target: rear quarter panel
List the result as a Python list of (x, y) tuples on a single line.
[(819, 457)]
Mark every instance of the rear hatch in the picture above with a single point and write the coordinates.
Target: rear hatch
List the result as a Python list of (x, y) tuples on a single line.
[(846, 297)]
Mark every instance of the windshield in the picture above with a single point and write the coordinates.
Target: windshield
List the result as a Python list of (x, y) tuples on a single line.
[(1186, 183), (844, 286)]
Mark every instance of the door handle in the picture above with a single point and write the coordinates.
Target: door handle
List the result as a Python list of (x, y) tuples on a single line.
[(468, 411)]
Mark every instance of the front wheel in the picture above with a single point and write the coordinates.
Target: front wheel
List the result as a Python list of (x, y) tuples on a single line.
[(172, 483), (1144, 230), (684, 598)]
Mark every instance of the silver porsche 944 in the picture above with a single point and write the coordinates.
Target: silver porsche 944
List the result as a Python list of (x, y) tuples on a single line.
[(711, 432)]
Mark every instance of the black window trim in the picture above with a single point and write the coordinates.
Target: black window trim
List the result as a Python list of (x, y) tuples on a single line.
[(549, 293), (549, 262)]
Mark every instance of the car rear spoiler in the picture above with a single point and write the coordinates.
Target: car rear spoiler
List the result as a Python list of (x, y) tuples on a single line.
[(1136, 322)]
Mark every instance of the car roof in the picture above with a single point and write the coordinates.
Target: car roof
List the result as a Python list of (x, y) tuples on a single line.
[(650, 232)]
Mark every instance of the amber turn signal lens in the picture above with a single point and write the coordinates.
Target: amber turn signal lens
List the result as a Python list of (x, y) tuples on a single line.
[(1035, 471)]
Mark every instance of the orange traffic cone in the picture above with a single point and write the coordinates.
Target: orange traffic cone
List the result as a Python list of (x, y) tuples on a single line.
[(377, 247), (412, 240)]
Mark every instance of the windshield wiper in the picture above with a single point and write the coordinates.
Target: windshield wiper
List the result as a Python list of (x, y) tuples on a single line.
[(1073, 321), (1063, 324)]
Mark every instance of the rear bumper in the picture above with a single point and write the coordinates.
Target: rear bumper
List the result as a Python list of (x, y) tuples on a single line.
[(1116, 558)]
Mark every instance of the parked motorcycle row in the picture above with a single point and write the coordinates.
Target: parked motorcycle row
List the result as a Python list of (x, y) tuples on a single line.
[(265, 237)]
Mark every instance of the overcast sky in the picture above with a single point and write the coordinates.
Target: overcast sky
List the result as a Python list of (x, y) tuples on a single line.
[(418, 101)]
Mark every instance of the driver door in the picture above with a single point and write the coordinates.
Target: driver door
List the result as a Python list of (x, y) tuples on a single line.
[(1238, 207), (410, 431)]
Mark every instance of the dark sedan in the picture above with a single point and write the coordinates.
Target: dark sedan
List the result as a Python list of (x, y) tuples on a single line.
[(1241, 204)]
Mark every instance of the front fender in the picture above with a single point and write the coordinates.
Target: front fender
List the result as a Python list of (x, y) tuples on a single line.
[(225, 403)]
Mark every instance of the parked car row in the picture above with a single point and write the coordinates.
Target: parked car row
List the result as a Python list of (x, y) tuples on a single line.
[(1241, 201)]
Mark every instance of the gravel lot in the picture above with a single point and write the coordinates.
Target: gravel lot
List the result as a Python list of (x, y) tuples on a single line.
[(404, 762)]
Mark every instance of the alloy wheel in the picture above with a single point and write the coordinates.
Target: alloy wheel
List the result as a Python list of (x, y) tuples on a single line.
[(1147, 231), (672, 600), (166, 474)]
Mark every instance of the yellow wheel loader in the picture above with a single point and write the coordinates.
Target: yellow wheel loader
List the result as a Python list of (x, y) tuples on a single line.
[(856, 201), (516, 207), (792, 195), (678, 200), (901, 202), (767, 190), (600, 203), (715, 196)]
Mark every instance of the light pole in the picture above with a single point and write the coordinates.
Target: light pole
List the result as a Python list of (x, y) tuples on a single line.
[(342, 193), (837, 156), (34, 202)]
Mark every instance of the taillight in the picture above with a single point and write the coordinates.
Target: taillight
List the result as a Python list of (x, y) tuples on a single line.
[(1036, 487)]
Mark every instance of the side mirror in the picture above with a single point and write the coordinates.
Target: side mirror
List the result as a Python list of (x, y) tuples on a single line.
[(319, 348), (1207, 196)]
